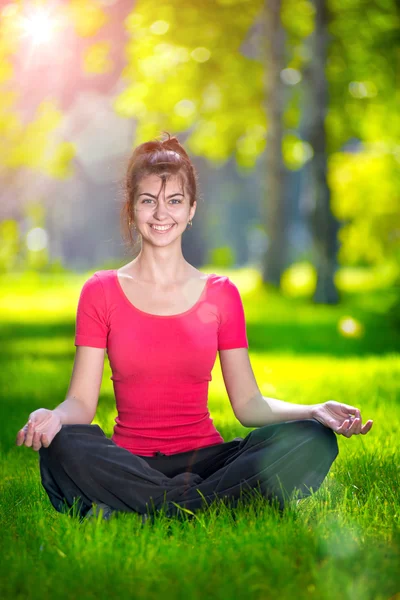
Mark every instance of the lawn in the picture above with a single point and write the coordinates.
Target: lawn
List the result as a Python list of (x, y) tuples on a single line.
[(342, 542)]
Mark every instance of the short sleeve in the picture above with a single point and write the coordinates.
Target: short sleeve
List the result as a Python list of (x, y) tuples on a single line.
[(91, 316), (232, 326)]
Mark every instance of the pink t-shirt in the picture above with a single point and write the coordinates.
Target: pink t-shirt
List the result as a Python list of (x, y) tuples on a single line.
[(161, 365)]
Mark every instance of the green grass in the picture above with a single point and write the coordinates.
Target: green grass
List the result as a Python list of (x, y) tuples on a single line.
[(342, 542)]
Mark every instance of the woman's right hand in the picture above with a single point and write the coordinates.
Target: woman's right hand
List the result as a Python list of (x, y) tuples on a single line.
[(42, 426)]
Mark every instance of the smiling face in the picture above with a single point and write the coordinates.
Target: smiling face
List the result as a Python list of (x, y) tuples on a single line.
[(162, 205)]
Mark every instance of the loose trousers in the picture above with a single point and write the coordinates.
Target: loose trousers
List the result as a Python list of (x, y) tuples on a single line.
[(82, 466)]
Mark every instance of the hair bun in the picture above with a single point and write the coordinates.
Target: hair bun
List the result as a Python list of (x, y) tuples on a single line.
[(172, 143)]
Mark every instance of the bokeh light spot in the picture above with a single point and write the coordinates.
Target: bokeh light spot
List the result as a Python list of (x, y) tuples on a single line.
[(362, 89), (159, 27), (200, 54), (350, 327), (298, 280), (290, 76), (36, 239), (185, 108)]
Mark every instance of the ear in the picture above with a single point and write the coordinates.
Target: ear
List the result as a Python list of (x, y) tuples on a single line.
[(192, 210)]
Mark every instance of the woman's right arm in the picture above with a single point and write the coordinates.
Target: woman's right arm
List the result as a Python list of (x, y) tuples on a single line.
[(79, 406)]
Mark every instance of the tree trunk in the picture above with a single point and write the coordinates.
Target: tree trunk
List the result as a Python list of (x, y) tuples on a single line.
[(324, 226), (275, 259)]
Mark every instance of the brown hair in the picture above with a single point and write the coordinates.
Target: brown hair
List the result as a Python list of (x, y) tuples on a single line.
[(162, 158)]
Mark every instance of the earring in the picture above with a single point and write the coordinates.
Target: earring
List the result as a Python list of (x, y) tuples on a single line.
[(190, 223)]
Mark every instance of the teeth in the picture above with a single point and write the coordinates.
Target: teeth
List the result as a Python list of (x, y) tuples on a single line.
[(161, 228)]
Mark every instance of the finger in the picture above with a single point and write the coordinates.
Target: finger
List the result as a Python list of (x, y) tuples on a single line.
[(366, 427), (354, 428), (357, 419), (29, 434), (20, 437), (45, 440), (343, 428), (357, 426), (349, 431), (36, 444)]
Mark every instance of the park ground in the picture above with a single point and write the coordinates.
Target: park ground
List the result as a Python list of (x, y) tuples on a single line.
[(344, 541)]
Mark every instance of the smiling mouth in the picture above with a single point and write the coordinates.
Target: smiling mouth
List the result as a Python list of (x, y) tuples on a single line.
[(163, 230)]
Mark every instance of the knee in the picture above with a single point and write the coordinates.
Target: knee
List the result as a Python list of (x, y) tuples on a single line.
[(323, 438), (61, 445)]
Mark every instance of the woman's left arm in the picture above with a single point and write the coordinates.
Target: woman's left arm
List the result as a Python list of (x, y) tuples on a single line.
[(341, 418), (252, 409)]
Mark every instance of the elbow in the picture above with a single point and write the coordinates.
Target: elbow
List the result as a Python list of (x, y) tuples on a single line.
[(242, 421)]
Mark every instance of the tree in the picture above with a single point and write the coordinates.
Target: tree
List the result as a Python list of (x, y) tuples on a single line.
[(275, 100), (324, 226)]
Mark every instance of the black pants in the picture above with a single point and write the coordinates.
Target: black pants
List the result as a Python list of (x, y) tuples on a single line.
[(82, 466)]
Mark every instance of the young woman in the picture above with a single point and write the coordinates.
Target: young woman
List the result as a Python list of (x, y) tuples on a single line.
[(162, 323)]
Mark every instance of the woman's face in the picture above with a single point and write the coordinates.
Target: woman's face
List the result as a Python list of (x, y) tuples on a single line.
[(163, 206)]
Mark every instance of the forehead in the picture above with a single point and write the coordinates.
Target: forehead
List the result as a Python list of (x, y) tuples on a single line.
[(152, 183)]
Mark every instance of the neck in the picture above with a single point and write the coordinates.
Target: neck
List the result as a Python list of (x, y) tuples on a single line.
[(160, 272)]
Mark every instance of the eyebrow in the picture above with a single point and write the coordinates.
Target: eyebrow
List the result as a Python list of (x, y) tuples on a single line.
[(155, 197)]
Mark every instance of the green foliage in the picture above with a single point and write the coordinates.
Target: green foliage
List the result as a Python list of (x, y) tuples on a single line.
[(365, 184), (33, 145), (366, 196), (9, 245), (362, 66), (207, 85), (224, 256), (298, 19), (24, 252)]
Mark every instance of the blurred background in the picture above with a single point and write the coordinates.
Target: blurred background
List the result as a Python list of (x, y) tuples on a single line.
[(289, 110)]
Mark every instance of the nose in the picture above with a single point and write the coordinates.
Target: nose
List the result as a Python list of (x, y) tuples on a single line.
[(161, 212)]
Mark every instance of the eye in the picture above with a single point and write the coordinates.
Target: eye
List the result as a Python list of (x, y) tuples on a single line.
[(172, 200)]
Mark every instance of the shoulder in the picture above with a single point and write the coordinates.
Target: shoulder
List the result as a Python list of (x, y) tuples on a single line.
[(218, 280), (96, 286), (223, 283), (225, 292), (99, 278)]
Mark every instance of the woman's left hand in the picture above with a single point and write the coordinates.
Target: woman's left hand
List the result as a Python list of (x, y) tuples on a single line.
[(342, 418)]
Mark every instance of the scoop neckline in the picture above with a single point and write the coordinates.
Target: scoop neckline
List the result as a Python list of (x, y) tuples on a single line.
[(126, 299)]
